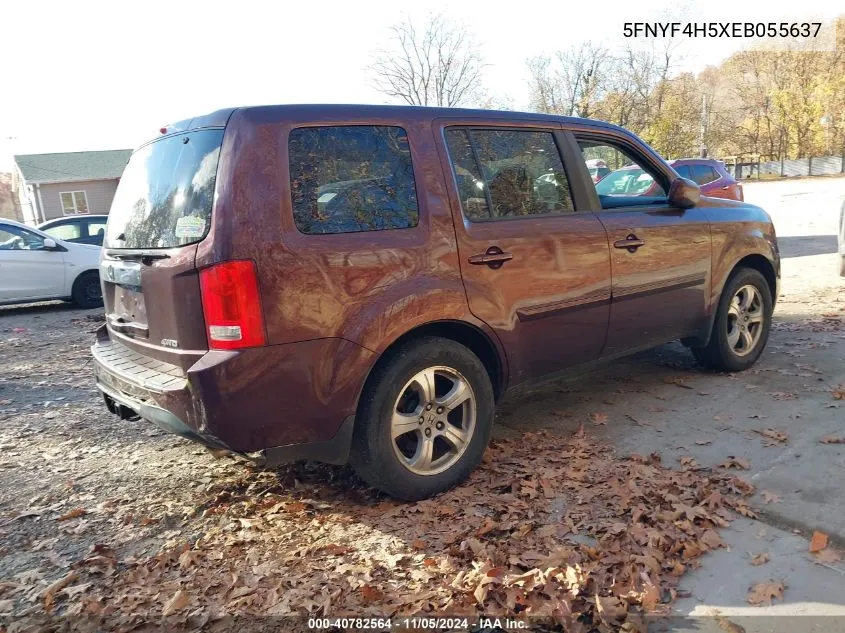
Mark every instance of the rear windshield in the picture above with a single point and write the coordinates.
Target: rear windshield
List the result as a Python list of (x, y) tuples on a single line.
[(165, 194)]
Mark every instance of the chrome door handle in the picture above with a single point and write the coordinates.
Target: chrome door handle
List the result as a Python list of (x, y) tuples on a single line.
[(632, 243), (494, 257)]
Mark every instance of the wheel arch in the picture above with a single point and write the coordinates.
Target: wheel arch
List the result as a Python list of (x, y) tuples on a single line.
[(81, 273), (755, 261), (479, 342), (761, 264)]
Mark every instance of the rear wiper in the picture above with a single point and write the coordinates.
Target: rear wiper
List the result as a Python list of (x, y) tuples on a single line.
[(136, 254)]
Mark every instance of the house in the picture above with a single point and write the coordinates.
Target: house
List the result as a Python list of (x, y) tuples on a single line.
[(54, 185)]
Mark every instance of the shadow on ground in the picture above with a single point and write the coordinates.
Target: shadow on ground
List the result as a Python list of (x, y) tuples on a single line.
[(806, 245)]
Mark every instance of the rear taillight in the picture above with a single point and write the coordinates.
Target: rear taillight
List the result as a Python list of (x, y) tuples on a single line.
[(231, 305)]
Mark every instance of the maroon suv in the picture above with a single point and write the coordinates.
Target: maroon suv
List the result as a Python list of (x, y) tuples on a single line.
[(356, 283)]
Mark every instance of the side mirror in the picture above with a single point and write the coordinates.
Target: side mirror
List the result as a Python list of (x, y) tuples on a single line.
[(50, 244), (684, 193)]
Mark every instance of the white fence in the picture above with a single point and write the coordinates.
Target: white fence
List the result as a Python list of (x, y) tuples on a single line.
[(814, 166)]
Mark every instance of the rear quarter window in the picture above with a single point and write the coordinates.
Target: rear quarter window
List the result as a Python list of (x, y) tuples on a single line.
[(349, 179)]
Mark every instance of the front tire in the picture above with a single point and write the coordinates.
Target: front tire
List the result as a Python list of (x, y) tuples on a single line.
[(87, 292), (425, 418), (742, 323)]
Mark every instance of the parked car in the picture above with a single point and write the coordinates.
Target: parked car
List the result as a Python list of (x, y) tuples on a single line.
[(841, 241), (37, 267), (362, 283), (598, 169), (82, 229), (711, 176)]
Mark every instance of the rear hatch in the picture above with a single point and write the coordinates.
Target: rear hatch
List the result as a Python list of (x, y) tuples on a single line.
[(161, 211)]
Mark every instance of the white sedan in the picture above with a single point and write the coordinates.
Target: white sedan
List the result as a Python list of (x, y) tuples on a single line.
[(37, 267)]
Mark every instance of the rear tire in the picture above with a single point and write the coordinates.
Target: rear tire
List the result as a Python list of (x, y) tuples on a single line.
[(425, 418), (742, 323), (87, 292)]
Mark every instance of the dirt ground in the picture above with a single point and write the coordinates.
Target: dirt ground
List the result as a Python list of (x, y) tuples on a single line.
[(647, 487)]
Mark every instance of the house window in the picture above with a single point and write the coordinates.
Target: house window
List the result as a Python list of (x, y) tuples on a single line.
[(74, 202)]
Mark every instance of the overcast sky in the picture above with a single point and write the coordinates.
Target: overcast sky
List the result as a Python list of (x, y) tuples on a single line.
[(100, 75)]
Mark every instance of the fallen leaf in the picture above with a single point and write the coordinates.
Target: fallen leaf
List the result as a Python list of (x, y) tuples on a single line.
[(679, 381), (371, 594), (48, 593), (610, 607), (489, 526), (828, 556), (838, 393), (178, 602), (832, 439), (770, 497), (78, 512), (773, 436), (336, 550), (712, 540), (761, 559), (765, 592), (418, 544), (651, 598), (735, 462), (598, 418), (818, 542), (727, 625)]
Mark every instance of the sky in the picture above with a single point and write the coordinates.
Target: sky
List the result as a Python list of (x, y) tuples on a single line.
[(87, 75)]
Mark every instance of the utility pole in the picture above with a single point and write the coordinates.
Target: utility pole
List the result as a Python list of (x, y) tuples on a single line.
[(703, 127)]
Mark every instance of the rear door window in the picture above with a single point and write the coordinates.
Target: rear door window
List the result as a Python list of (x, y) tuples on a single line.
[(683, 171), (508, 173), (96, 228), (165, 195), (349, 179), (702, 174)]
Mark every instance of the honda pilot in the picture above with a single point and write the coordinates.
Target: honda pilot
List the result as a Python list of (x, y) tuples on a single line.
[(362, 283)]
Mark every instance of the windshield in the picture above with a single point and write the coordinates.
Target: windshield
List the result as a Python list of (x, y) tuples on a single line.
[(625, 182), (165, 194)]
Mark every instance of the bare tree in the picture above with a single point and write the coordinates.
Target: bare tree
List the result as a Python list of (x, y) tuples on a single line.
[(571, 83), (438, 64)]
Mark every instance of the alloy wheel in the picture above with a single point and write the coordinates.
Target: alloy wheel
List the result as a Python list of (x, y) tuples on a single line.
[(745, 320), (433, 420)]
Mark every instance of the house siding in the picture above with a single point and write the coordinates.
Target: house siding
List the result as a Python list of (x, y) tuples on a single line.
[(99, 193)]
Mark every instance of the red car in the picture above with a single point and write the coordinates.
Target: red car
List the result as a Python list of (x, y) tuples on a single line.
[(710, 175)]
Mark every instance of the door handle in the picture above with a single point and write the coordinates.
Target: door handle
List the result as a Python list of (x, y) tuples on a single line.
[(632, 243), (494, 257), (726, 187)]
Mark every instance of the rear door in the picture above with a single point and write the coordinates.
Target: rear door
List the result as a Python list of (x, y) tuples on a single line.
[(535, 270), (161, 211), (660, 253)]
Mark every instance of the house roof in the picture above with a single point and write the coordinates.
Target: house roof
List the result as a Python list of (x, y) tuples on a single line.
[(71, 166)]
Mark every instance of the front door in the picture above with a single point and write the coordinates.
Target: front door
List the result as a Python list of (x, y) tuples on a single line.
[(660, 253), (27, 269), (535, 270)]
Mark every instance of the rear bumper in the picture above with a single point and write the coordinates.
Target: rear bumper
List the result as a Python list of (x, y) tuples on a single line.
[(292, 401)]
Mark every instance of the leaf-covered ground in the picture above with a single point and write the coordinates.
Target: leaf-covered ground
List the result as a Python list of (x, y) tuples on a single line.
[(110, 525)]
